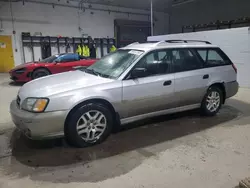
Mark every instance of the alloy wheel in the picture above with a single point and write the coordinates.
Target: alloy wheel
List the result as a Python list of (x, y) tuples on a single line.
[(40, 74), (91, 125), (213, 101)]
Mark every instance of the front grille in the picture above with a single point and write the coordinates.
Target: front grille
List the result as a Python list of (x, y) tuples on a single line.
[(18, 101)]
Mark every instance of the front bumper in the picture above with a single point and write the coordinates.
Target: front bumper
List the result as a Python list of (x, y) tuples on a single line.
[(24, 77), (38, 126)]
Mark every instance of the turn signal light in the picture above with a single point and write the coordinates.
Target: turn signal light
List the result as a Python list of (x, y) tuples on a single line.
[(40, 105)]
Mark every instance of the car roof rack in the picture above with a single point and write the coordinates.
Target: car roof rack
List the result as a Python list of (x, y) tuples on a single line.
[(186, 41), (157, 43), (132, 44)]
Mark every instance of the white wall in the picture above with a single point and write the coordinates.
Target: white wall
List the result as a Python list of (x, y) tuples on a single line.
[(206, 11), (234, 42), (33, 17)]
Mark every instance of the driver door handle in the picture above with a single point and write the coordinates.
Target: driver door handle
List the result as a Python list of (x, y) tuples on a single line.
[(206, 76), (167, 83)]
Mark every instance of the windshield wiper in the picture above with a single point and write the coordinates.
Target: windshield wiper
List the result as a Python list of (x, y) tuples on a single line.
[(91, 71)]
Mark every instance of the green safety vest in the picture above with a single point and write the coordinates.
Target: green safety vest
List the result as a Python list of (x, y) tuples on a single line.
[(113, 48), (79, 50), (85, 51)]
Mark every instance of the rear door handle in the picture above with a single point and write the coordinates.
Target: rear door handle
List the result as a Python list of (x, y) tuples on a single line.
[(167, 83), (206, 76)]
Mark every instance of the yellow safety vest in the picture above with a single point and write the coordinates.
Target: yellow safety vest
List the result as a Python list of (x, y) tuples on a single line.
[(79, 50), (85, 51), (113, 48), (88, 51)]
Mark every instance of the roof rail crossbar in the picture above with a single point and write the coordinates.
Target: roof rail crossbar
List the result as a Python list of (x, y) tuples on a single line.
[(186, 41)]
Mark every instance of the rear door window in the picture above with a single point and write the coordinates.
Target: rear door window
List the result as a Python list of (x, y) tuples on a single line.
[(213, 57), (185, 60)]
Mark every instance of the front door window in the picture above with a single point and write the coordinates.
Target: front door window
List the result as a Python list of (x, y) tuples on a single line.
[(154, 90)]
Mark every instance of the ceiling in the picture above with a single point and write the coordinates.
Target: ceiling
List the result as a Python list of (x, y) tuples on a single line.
[(140, 4), (158, 5)]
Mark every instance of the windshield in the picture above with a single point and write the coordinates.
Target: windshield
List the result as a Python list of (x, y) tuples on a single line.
[(50, 59), (114, 64)]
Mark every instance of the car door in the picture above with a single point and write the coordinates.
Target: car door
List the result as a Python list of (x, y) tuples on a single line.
[(152, 92), (66, 62), (190, 77)]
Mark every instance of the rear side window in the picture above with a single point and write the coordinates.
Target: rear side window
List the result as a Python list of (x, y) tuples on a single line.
[(185, 60), (213, 57)]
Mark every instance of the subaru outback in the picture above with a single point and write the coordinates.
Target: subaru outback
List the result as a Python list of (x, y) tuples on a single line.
[(136, 82)]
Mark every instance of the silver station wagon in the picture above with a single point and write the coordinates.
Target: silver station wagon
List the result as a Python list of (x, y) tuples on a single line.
[(135, 82)]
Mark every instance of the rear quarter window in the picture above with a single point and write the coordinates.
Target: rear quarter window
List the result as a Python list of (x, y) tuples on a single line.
[(213, 57)]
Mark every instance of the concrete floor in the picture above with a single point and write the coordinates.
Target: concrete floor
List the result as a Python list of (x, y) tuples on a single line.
[(181, 150)]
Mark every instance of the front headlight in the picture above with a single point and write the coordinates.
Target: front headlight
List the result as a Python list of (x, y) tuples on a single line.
[(35, 104), (20, 71)]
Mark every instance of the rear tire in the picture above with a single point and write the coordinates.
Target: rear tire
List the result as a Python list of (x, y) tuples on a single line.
[(38, 73), (89, 125), (212, 101)]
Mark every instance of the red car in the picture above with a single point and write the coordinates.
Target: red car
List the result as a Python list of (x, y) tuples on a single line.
[(51, 65)]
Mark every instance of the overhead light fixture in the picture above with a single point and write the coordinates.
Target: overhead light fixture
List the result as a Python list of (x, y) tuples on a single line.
[(181, 2)]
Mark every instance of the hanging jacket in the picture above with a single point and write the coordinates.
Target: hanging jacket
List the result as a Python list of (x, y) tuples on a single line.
[(46, 50), (92, 51), (79, 50), (88, 51), (67, 48), (113, 48), (85, 51)]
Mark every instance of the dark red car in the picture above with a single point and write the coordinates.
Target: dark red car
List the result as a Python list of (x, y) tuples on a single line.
[(51, 65)]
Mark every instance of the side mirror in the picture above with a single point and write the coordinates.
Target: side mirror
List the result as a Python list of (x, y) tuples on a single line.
[(138, 73)]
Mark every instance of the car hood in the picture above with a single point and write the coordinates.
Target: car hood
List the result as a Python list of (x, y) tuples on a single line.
[(59, 83), (24, 65)]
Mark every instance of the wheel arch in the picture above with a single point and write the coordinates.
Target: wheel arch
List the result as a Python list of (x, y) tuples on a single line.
[(101, 101), (221, 86), (37, 68)]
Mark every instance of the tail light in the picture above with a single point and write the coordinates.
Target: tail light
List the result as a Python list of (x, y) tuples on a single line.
[(234, 67)]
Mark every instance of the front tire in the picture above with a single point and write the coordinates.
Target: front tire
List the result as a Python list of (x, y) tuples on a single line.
[(38, 73), (212, 101), (89, 125)]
